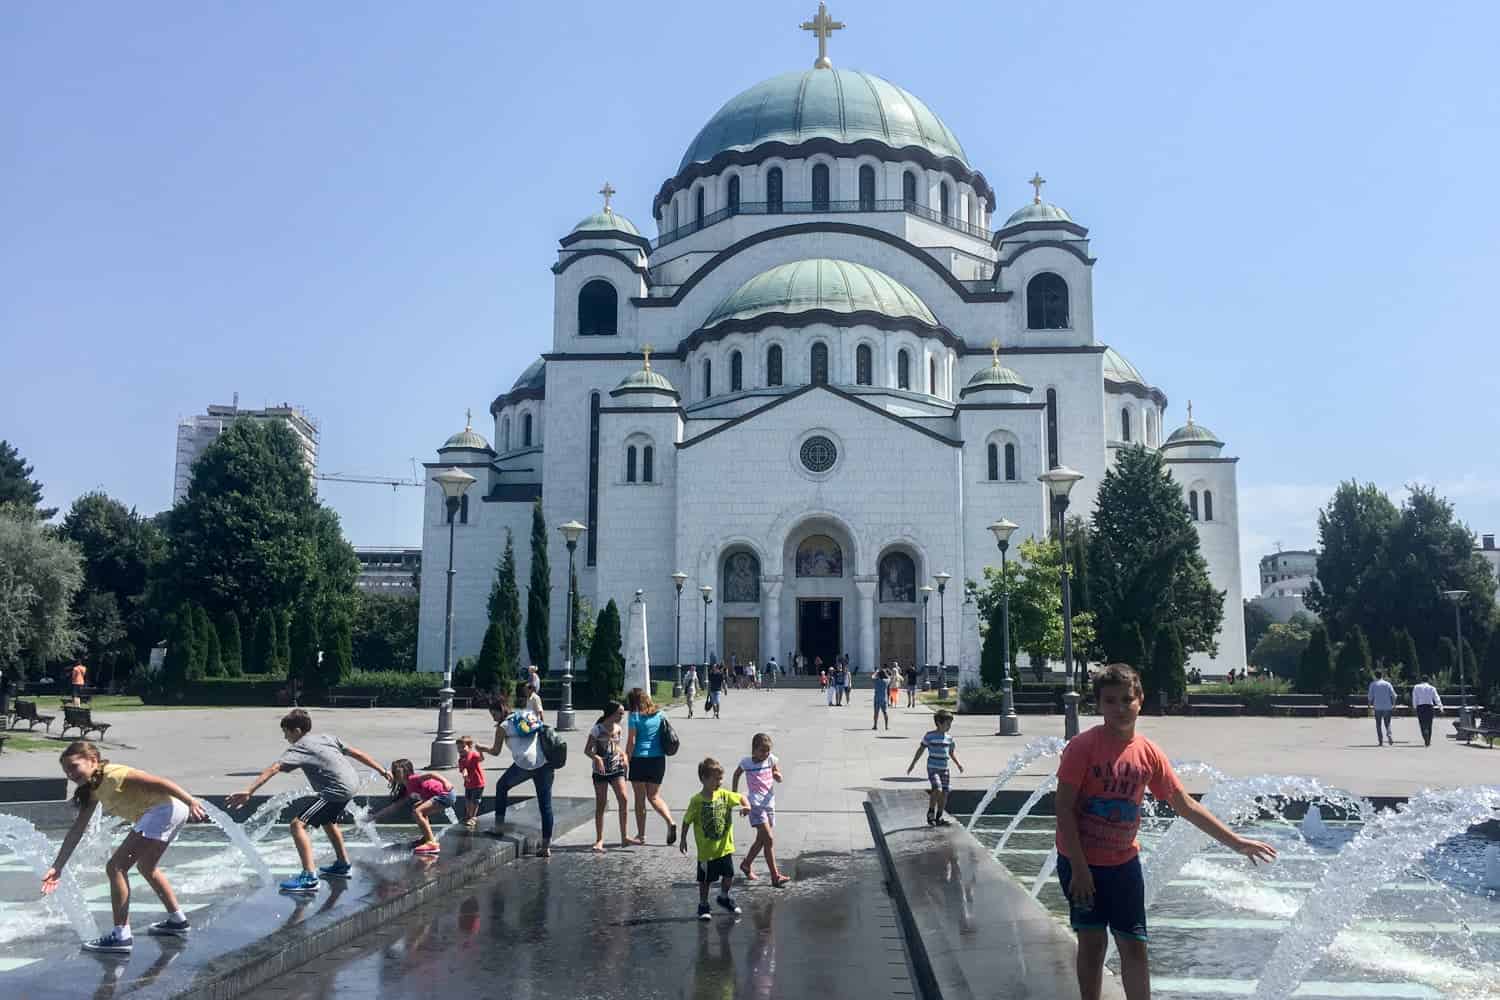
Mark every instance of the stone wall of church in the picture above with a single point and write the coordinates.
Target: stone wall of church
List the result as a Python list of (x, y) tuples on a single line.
[(1219, 541)]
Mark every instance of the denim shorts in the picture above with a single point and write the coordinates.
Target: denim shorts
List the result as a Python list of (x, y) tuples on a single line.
[(1119, 899)]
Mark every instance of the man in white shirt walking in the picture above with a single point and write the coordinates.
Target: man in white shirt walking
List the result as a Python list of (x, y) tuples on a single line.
[(1426, 702), (1383, 700)]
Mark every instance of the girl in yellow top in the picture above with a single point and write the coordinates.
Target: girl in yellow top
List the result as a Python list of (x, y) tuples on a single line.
[(157, 808)]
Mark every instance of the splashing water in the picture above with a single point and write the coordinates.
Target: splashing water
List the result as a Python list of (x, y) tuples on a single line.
[(1049, 867), (1386, 843), (32, 846), (1043, 789), (1492, 867), (1312, 826), (237, 836), (261, 822), (365, 824), (1047, 746)]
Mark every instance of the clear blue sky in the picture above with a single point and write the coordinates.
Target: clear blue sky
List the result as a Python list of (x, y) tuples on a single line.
[(353, 207)]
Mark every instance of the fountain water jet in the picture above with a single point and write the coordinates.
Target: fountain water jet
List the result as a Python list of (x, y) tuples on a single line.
[(1043, 789), (32, 846), (1047, 746), (237, 836), (1312, 826)]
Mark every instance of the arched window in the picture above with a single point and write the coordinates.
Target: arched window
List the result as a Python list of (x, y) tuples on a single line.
[(734, 195), (903, 370), (526, 431), (736, 372), (630, 464), (820, 188), (864, 365), (1193, 504), (819, 364), (992, 453), (1125, 425), (462, 513), (773, 191), (1047, 302), (505, 434), (1208, 505), (932, 376), (698, 208), (647, 454), (1010, 463), (867, 188), (773, 365), (598, 306), (943, 199), (909, 188), (1052, 428), (708, 378)]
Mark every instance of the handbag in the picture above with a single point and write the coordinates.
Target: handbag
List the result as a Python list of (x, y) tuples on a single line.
[(554, 747), (670, 744)]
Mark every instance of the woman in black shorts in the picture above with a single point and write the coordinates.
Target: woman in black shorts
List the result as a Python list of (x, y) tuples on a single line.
[(604, 749)]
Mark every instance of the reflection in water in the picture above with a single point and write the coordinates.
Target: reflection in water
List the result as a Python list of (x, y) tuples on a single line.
[(958, 890), (763, 952), (713, 972)]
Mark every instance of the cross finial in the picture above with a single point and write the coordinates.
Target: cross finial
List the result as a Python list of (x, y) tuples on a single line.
[(995, 351), (822, 26), (1037, 180), (1190, 413), (646, 353), (608, 193), (468, 419)]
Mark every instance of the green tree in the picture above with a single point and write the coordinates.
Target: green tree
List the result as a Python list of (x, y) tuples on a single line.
[(121, 552), (182, 650), (1353, 531), (338, 657), (1035, 603), (1404, 660), (18, 487), (992, 665), (1141, 658), (304, 652), (1447, 656), (492, 667), (1257, 621), (606, 662), (40, 575), (1280, 650), (231, 647), (1145, 569), (1168, 671), (213, 651), (539, 596), (508, 614), (385, 632), (263, 644), (1488, 684), (1353, 668), (98, 619), (283, 661), (1315, 668)]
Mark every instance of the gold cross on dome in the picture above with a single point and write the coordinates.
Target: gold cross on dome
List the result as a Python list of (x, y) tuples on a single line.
[(646, 353), (995, 351), (1037, 180), (608, 193), (1190, 412), (469, 419), (822, 26)]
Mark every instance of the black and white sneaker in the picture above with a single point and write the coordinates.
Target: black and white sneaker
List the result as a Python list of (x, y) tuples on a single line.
[(728, 905), (703, 913), (929, 817), (110, 944), (170, 928)]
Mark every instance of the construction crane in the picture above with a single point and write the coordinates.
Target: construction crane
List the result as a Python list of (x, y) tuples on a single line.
[(346, 477)]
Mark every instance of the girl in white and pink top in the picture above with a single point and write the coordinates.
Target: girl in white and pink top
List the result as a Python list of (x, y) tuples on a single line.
[(761, 772)]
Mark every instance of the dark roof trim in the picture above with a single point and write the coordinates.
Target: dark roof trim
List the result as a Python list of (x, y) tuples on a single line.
[(535, 449), (612, 356), (1201, 461), (1138, 390), (802, 229), (1005, 262), (1031, 227), (679, 411), (513, 493), (996, 386), (627, 389), (742, 418), (831, 147), (830, 317), (563, 265), (578, 236), (454, 447), (456, 465), (1001, 406), (515, 396), (1061, 349)]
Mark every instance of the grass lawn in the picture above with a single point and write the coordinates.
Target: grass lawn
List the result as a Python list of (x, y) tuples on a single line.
[(931, 698), (24, 742)]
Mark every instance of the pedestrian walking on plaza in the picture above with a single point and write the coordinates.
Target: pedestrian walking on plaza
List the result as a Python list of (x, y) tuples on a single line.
[(690, 688), (534, 700), (604, 748), (882, 688), (1426, 702), (715, 688), (432, 793), (761, 771), (751, 676), (520, 732), (1382, 698), (156, 807), (911, 686), (533, 678), (710, 815), (939, 747), (78, 676), (648, 762), (772, 669)]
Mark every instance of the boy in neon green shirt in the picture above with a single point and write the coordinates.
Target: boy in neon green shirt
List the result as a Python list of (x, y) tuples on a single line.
[(710, 815)]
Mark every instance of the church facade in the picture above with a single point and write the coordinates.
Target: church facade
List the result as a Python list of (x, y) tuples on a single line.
[(812, 392)]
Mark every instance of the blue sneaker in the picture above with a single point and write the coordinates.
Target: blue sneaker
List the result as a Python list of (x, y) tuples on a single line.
[(339, 869), (304, 882), (111, 943)]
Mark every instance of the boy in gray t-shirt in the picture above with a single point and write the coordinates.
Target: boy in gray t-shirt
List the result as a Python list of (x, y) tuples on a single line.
[(323, 758)]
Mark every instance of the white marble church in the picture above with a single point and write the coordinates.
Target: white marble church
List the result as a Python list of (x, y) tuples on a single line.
[(812, 392)]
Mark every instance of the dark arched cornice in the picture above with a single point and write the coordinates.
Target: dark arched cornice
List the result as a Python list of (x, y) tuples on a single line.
[(802, 229), (831, 147), (1137, 390), (1025, 248), (1036, 227), (606, 234), (563, 265), (515, 396), (827, 317)]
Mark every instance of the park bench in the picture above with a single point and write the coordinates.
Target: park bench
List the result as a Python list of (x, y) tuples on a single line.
[(25, 711), (462, 698), (1486, 729), (81, 719), (1034, 702), (3, 738), (1298, 704), (354, 696), (1215, 704), (1357, 706)]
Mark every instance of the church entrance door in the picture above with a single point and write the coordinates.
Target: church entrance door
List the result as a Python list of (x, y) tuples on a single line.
[(819, 628), (742, 640), (898, 641)]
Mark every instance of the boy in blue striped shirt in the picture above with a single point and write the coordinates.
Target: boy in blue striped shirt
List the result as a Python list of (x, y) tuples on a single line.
[(939, 747)]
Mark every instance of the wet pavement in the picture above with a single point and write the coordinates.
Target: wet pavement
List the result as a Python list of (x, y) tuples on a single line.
[(623, 925)]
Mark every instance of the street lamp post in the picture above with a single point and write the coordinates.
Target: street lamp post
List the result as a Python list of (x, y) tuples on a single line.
[(1010, 723), (926, 590), (1059, 484), (708, 598), (942, 582), (454, 483), (678, 579), (1465, 716), (570, 532)]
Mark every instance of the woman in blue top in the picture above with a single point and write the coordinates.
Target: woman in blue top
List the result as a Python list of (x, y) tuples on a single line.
[(648, 762)]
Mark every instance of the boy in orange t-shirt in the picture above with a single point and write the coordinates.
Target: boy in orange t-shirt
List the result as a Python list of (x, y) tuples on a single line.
[(1101, 781)]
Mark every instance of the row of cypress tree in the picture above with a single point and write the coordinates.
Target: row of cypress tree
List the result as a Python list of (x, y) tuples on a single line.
[(281, 644)]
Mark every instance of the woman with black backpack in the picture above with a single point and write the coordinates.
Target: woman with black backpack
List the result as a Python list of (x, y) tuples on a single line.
[(647, 747), (521, 732)]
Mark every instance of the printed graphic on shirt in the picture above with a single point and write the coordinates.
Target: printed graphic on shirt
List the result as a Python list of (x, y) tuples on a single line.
[(1112, 778)]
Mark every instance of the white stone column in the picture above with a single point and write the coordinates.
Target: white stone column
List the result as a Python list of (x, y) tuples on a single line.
[(770, 619), (865, 585), (637, 652)]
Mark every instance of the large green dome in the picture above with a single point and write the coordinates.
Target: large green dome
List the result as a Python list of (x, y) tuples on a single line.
[(838, 286), (845, 105)]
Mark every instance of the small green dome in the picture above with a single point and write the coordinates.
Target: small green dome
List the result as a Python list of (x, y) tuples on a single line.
[(607, 221), (838, 286), (534, 377), (999, 376), (844, 105), (1117, 369), (645, 379), (1037, 211), (1191, 433), (466, 438)]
